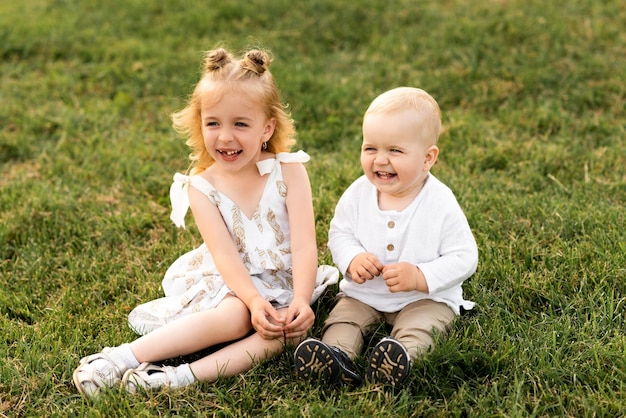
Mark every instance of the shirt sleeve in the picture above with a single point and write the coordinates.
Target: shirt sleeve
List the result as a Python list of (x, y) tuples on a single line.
[(458, 252), (342, 241)]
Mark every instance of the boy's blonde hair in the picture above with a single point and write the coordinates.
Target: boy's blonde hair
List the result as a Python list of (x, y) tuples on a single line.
[(403, 98), (224, 74)]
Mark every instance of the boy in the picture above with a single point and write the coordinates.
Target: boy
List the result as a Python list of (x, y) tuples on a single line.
[(402, 243)]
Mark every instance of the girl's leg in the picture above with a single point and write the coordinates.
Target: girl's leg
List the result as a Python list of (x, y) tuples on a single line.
[(236, 358), (229, 320)]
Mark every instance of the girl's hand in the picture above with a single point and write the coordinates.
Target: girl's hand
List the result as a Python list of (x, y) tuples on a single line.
[(404, 277), (265, 319), (364, 266), (299, 319)]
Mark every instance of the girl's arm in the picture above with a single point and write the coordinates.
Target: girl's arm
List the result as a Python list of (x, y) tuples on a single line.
[(300, 316), (234, 273)]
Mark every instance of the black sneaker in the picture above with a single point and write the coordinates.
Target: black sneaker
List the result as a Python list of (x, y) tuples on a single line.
[(314, 359), (389, 363)]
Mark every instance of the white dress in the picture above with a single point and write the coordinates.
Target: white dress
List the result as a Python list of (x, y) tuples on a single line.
[(193, 284)]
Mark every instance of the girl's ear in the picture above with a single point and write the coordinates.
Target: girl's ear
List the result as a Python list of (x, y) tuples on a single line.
[(268, 131), (431, 154)]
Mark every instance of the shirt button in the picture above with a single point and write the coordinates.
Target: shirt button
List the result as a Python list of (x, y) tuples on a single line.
[(390, 247), (391, 224)]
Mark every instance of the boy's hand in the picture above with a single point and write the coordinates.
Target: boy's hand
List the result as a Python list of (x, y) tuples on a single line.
[(404, 277), (364, 266)]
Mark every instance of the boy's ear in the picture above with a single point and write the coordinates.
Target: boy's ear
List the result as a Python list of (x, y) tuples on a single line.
[(432, 153)]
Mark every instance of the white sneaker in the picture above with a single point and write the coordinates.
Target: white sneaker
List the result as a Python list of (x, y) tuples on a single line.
[(150, 376), (97, 372)]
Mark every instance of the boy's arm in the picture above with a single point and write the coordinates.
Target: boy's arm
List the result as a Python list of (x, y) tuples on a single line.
[(458, 259), (343, 242)]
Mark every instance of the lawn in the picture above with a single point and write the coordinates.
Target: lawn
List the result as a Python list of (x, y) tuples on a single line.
[(532, 94)]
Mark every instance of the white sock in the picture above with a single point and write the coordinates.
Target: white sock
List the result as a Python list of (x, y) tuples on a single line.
[(184, 375), (124, 354)]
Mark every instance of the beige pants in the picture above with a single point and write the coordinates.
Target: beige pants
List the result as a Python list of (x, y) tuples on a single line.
[(350, 320)]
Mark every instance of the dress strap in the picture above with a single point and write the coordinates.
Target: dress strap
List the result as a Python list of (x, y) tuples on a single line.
[(266, 166)]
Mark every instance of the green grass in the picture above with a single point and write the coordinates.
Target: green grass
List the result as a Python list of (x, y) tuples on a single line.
[(532, 94)]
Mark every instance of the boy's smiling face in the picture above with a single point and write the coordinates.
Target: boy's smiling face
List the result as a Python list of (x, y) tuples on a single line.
[(396, 155)]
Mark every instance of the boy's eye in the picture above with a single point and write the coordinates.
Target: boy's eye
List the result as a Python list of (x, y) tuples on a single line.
[(395, 150), (241, 124)]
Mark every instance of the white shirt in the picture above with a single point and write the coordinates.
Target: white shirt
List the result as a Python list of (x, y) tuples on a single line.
[(431, 233)]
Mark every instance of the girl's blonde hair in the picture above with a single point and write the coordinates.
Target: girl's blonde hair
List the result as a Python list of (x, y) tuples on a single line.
[(224, 74), (412, 98)]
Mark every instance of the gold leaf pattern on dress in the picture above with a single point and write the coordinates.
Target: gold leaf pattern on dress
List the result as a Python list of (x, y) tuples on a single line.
[(278, 262), (197, 306), (282, 188), (209, 281), (278, 233), (239, 230), (261, 256), (196, 261), (215, 196), (257, 219)]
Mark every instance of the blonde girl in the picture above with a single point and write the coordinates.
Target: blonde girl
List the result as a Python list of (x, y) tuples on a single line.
[(248, 288)]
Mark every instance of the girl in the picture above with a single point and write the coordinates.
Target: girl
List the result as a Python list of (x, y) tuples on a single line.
[(251, 283)]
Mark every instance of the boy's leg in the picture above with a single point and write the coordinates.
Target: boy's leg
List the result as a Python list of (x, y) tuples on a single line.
[(413, 326), (411, 335), (347, 324), (342, 340)]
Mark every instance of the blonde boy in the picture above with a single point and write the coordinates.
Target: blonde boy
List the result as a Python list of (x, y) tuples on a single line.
[(403, 245)]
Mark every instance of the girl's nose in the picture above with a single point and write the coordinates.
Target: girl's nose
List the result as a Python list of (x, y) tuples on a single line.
[(225, 134)]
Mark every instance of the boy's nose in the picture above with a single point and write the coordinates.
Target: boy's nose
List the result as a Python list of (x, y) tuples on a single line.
[(381, 158)]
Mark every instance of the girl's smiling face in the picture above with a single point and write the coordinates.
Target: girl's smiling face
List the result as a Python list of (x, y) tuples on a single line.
[(234, 127), (396, 155)]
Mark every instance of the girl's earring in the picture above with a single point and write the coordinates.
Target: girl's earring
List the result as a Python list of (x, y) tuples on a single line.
[(264, 146)]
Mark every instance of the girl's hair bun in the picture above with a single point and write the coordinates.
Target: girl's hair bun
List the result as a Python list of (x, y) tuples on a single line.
[(256, 61), (217, 59)]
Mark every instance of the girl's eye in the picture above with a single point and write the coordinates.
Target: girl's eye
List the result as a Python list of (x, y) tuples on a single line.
[(211, 124), (369, 149), (395, 150), (241, 124)]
